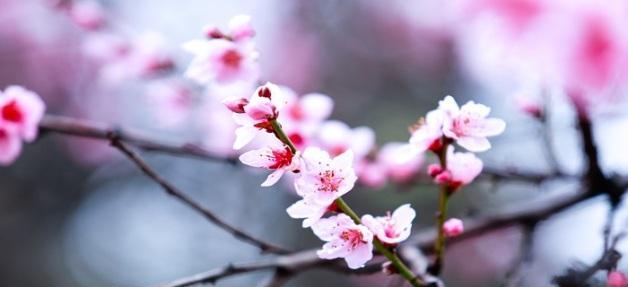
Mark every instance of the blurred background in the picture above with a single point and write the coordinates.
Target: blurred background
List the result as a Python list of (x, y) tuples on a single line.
[(73, 212)]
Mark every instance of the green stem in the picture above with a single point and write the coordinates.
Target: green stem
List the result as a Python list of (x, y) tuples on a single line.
[(400, 267), (281, 135), (344, 207), (443, 199)]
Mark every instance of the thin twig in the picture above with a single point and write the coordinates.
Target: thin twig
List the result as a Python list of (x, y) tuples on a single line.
[(172, 190), (96, 130)]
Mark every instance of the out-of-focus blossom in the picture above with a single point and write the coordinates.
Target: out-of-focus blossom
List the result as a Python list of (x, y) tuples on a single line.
[(617, 279), (278, 159), (222, 61), (262, 108), (397, 171), (345, 239), (324, 179), (21, 110), (10, 145), (468, 124), (240, 28), (453, 227), (337, 137), (389, 164), (87, 14), (529, 106), (302, 116), (20, 113), (392, 228), (150, 55), (171, 102)]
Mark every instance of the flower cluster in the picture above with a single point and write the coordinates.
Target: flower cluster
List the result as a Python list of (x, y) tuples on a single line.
[(224, 58), (325, 158), (20, 113), (468, 126)]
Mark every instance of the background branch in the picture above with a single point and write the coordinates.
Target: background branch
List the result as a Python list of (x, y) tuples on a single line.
[(172, 190)]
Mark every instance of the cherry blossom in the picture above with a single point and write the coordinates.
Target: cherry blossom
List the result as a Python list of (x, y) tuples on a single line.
[(309, 210), (171, 102), (21, 110), (345, 239), (324, 179), (463, 166), (302, 116), (337, 137), (10, 145), (222, 61), (240, 28), (453, 227), (397, 171), (260, 109), (392, 228), (617, 279), (279, 159), (426, 135), (87, 14), (468, 124)]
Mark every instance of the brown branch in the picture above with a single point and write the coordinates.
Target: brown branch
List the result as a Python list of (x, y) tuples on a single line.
[(97, 130), (172, 190), (290, 264)]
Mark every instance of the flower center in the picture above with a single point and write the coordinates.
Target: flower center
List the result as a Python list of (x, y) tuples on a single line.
[(232, 58), (353, 237), (329, 182), (12, 112), (282, 158)]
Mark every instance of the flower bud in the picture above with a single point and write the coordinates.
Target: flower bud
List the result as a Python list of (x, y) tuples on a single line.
[(453, 227)]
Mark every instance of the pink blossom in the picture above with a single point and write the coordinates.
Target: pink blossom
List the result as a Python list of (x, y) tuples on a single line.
[(21, 110), (345, 239), (149, 55), (463, 166), (391, 229), (87, 14), (10, 145), (261, 108), (337, 137), (617, 279), (453, 227), (398, 171), (324, 179), (309, 210), (468, 125), (371, 173), (222, 61), (171, 101), (279, 159), (426, 136), (302, 116), (240, 28)]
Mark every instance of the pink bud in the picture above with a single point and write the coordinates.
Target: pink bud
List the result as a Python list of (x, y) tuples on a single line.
[(434, 169), (443, 177), (264, 92), (236, 105), (213, 32), (453, 227), (617, 279)]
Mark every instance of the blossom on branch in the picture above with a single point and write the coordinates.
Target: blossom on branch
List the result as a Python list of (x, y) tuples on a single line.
[(468, 124), (345, 239), (20, 113), (222, 61), (462, 169), (278, 159), (392, 228), (257, 113), (324, 179)]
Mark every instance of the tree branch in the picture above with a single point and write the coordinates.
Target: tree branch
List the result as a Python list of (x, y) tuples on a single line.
[(172, 190), (96, 130)]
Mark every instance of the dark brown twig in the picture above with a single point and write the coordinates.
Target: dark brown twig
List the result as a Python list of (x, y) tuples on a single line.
[(172, 190)]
